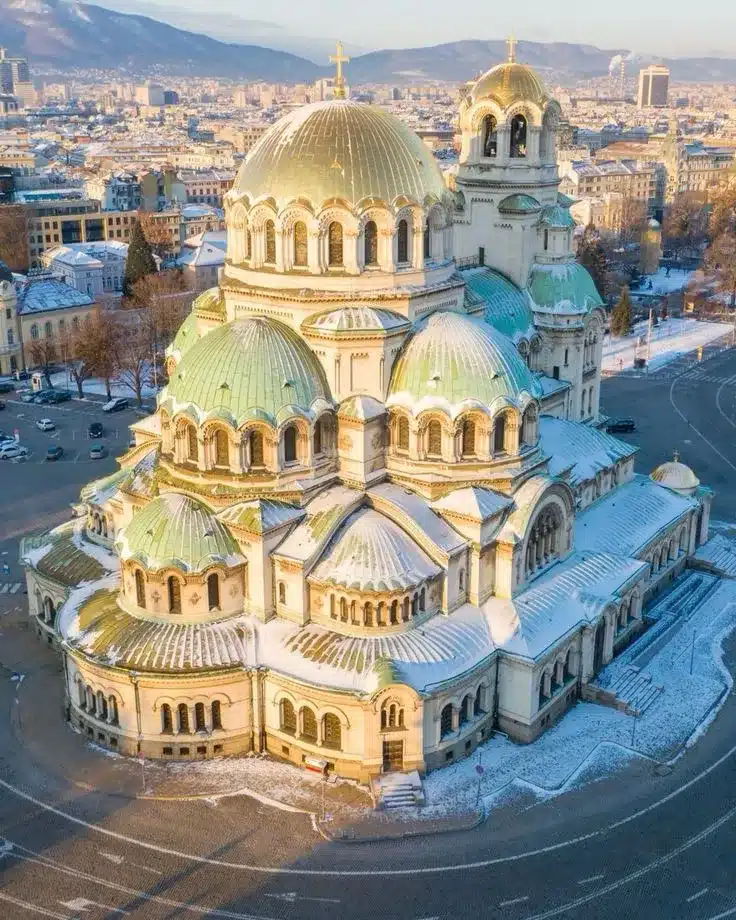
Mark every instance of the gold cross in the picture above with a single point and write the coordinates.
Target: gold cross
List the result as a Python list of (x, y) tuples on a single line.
[(338, 60), (511, 44)]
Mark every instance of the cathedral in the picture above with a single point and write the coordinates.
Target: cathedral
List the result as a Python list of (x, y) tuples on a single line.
[(373, 517)]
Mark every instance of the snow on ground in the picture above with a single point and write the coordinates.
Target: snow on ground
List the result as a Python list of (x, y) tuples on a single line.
[(96, 387), (670, 339), (663, 283)]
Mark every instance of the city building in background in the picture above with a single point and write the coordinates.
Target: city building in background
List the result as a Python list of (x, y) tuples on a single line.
[(654, 84)]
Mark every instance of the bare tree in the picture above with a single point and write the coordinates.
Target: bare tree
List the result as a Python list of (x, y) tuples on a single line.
[(43, 354), (721, 259), (633, 220), (102, 354), (723, 206), (156, 233), (80, 349), (685, 225), (14, 237), (133, 353)]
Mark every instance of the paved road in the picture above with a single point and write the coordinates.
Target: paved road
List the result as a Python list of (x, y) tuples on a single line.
[(646, 843)]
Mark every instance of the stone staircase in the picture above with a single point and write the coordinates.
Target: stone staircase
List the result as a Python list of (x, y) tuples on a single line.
[(398, 790), (635, 689)]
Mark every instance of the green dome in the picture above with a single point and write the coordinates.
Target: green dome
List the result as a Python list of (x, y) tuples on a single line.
[(456, 362), (507, 306), (254, 368), (175, 530), (184, 338), (556, 216), (519, 204), (563, 287)]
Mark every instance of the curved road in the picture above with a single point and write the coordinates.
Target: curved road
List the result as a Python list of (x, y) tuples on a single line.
[(645, 843)]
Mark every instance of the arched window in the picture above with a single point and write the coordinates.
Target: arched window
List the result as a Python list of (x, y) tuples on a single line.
[(478, 702), (49, 610), (331, 732), (270, 234), (309, 724), (317, 438), (222, 448), (290, 444), (468, 438), (446, 720), (140, 589), (114, 718), (173, 586), (167, 723), (518, 136), (370, 235), (91, 701), (422, 600), (192, 444), (256, 448), (394, 612), (368, 614), (434, 439), (11, 337), (183, 711), (403, 433), (199, 723), (75, 322), (427, 240), (343, 610), (402, 254), (216, 714), (490, 136), (213, 591), (34, 331), (334, 244), (48, 330), (499, 434), (301, 252), (461, 579), (405, 608), (465, 709), (101, 705), (247, 244), (282, 593), (288, 717)]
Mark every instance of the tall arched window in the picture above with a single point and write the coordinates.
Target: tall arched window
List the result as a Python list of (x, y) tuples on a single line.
[(468, 438), (317, 438), (222, 449), (114, 717), (478, 704), (309, 725), (183, 711), (518, 136), (402, 254), (167, 723), (140, 589), (490, 136), (101, 705), (270, 235), (499, 434), (331, 732), (216, 714), (199, 723), (11, 337), (301, 253), (446, 720), (371, 243), (213, 591), (434, 439), (427, 240), (192, 445), (403, 433), (34, 331), (288, 717), (247, 244), (334, 244), (173, 587), (282, 592), (256, 448), (290, 444), (49, 330)]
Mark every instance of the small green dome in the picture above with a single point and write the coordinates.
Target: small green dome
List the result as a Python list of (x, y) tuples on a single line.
[(563, 287), (184, 338), (507, 306), (255, 368), (175, 530), (519, 203), (557, 217), (457, 362)]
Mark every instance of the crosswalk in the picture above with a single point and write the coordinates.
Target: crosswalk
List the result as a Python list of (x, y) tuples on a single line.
[(10, 587)]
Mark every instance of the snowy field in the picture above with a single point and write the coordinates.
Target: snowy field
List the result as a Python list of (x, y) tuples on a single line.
[(663, 283), (96, 387), (670, 339)]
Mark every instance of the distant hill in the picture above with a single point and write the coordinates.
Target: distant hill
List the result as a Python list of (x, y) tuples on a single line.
[(67, 35)]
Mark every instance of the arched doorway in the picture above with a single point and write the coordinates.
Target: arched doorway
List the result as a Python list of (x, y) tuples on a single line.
[(600, 642)]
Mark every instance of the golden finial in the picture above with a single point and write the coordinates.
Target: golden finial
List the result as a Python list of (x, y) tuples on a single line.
[(338, 60), (511, 44)]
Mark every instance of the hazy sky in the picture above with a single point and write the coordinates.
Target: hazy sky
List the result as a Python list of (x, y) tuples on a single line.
[(665, 27)]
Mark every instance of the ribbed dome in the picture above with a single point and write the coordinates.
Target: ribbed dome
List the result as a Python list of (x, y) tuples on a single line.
[(339, 150), (456, 362), (175, 530), (510, 82), (255, 368), (355, 319), (184, 338), (371, 553), (563, 287), (676, 476)]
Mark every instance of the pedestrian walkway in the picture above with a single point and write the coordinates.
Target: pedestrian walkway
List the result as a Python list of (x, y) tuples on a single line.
[(8, 587)]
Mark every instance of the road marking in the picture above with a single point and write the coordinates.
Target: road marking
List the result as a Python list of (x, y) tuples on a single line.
[(514, 901), (292, 896), (698, 894), (119, 860), (696, 430), (7, 588), (591, 878), (718, 402), (85, 904), (34, 907)]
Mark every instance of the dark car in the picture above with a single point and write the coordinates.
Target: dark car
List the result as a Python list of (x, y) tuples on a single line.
[(620, 424), (6, 386), (95, 430), (54, 452), (115, 404), (58, 396), (42, 397), (2, 403), (97, 451)]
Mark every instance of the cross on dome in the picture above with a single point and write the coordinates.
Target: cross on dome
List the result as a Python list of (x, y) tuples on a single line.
[(338, 59), (511, 44)]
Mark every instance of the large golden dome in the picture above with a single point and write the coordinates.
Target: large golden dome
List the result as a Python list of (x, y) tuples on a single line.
[(339, 150), (508, 83)]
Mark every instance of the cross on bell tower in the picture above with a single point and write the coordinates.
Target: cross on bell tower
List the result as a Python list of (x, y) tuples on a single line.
[(338, 60), (511, 44)]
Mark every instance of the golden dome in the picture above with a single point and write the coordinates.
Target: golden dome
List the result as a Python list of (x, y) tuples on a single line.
[(339, 150), (676, 476), (508, 83)]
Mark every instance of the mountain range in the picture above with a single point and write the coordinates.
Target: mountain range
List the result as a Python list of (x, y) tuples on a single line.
[(68, 35)]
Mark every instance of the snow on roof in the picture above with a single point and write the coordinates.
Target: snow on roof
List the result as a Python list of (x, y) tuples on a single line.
[(68, 256), (719, 555), (583, 450), (473, 502), (324, 514), (205, 254), (213, 237), (551, 385), (48, 294), (417, 517), (627, 519)]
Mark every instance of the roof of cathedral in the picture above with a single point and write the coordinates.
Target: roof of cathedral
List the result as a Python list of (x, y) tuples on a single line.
[(562, 287), (581, 449), (255, 368), (371, 553), (355, 319), (5, 273), (339, 150), (456, 362), (473, 502), (508, 83), (209, 301), (508, 308), (261, 515), (676, 476), (175, 530), (184, 338), (556, 215), (519, 203)]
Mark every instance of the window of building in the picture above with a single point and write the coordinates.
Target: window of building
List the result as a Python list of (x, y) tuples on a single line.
[(256, 448), (290, 444), (301, 257), (222, 449), (427, 240), (490, 136), (446, 720), (434, 439), (468, 444), (556, 372), (335, 244), (199, 723), (213, 591), (403, 242), (11, 337), (317, 438), (518, 136), (192, 443), (282, 593), (183, 713), (216, 714), (167, 723), (546, 240), (288, 717), (309, 725), (140, 589), (371, 243), (478, 703), (270, 233), (403, 433), (331, 731), (48, 330), (173, 586)]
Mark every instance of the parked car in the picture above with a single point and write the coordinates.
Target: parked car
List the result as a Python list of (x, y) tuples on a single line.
[(2, 403), (22, 375), (6, 386), (115, 404), (9, 450), (54, 452), (25, 395), (57, 396), (6, 437), (620, 424), (97, 451), (45, 424), (42, 397), (95, 430)]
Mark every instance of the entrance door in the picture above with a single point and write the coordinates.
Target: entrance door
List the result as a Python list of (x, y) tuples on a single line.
[(600, 639), (393, 756)]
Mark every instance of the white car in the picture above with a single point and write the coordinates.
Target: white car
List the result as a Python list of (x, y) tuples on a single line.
[(115, 404), (45, 424), (13, 451)]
